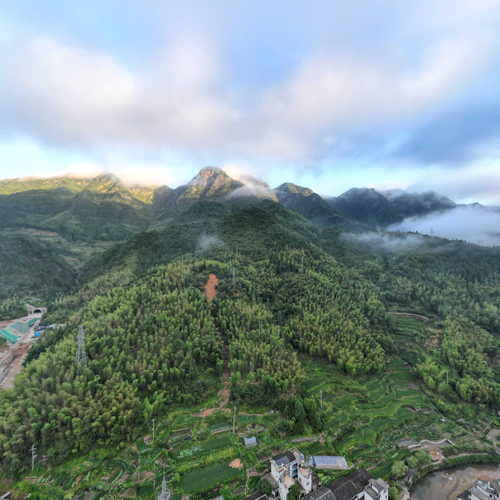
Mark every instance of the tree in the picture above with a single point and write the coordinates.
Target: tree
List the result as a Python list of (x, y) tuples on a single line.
[(398, 469), (263, 486), (294, 493)]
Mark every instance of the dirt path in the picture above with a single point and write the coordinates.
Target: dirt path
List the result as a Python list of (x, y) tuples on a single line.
[(12, 356), (14, 364), (319, 439), (236, 464), (411, 315), (13, 370), (223, 394)]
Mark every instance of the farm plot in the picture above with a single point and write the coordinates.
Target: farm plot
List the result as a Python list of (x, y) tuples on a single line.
[(203, 479), (193, 449)]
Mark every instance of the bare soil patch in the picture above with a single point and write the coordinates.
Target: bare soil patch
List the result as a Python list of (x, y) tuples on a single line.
[(211, 288), (236, 464)]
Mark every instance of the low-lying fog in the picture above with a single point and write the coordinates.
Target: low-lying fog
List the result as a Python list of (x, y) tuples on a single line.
[(475, 224)]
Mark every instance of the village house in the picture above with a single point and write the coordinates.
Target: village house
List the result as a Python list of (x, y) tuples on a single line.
[(288, 469), (293, 468), (482, 490), (359, 485)]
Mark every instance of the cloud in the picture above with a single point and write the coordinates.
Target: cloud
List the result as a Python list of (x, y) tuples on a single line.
[(474, 224), (388, 242), (132, 174), (330, 102), (74, 96), (77, 97), (470, 184), (310, 91)]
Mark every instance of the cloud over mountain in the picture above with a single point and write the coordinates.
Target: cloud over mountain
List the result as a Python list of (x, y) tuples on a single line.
[(475, 224)]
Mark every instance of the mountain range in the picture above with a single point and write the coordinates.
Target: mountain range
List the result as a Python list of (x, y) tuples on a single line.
[(67, 222), (75, 198), (319, 325)]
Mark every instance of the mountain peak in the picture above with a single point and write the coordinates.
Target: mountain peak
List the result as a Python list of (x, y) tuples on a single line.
[(210, 183), (209, 176), (290, 187), (306, 202)]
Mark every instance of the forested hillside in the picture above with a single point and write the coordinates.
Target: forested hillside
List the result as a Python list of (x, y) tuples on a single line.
[(295, 294), (158, 341)]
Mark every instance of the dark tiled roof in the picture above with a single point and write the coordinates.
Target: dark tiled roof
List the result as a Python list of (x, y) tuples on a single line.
[(257, 496), (322, 493), (284, 458), (349, 486)]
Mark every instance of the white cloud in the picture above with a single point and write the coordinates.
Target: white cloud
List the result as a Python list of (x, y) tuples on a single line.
[(75, 96), (468, 185), (70, 95), (62, 93), (388, 242), (147, 174), (473, 223)]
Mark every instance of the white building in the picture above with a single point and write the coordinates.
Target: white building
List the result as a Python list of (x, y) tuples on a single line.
[(288, 469), (482, 490), (376, 489)]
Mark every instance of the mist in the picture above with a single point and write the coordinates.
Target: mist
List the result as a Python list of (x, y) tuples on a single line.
[(208, 242), (388, 242), (475, 224)]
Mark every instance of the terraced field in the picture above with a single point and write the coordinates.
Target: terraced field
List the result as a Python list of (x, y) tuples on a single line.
[(365, 418), (368, 415)]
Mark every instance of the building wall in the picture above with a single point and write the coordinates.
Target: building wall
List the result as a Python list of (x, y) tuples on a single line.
[(305, 482)]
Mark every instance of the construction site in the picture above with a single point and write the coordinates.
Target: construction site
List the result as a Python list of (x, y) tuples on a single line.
[(19, 335)]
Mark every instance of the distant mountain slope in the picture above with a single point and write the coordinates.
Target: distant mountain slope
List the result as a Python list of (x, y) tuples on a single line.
[(365, 205), (81, 216), (415, 204), (32, 267), (375, 208), (211, 184), (104, 183), (204, 226), (306, 202)]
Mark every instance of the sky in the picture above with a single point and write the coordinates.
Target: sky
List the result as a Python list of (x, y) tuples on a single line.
[(329, 94)]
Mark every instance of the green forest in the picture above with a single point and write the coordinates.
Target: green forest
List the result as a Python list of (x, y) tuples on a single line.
[(293, 296)]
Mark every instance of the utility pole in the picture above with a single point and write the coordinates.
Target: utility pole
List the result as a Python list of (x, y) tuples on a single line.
[(234, 418), (81, 355), (33, 456), (447, 378), (321, 400), (153, 429), (246, 482)]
